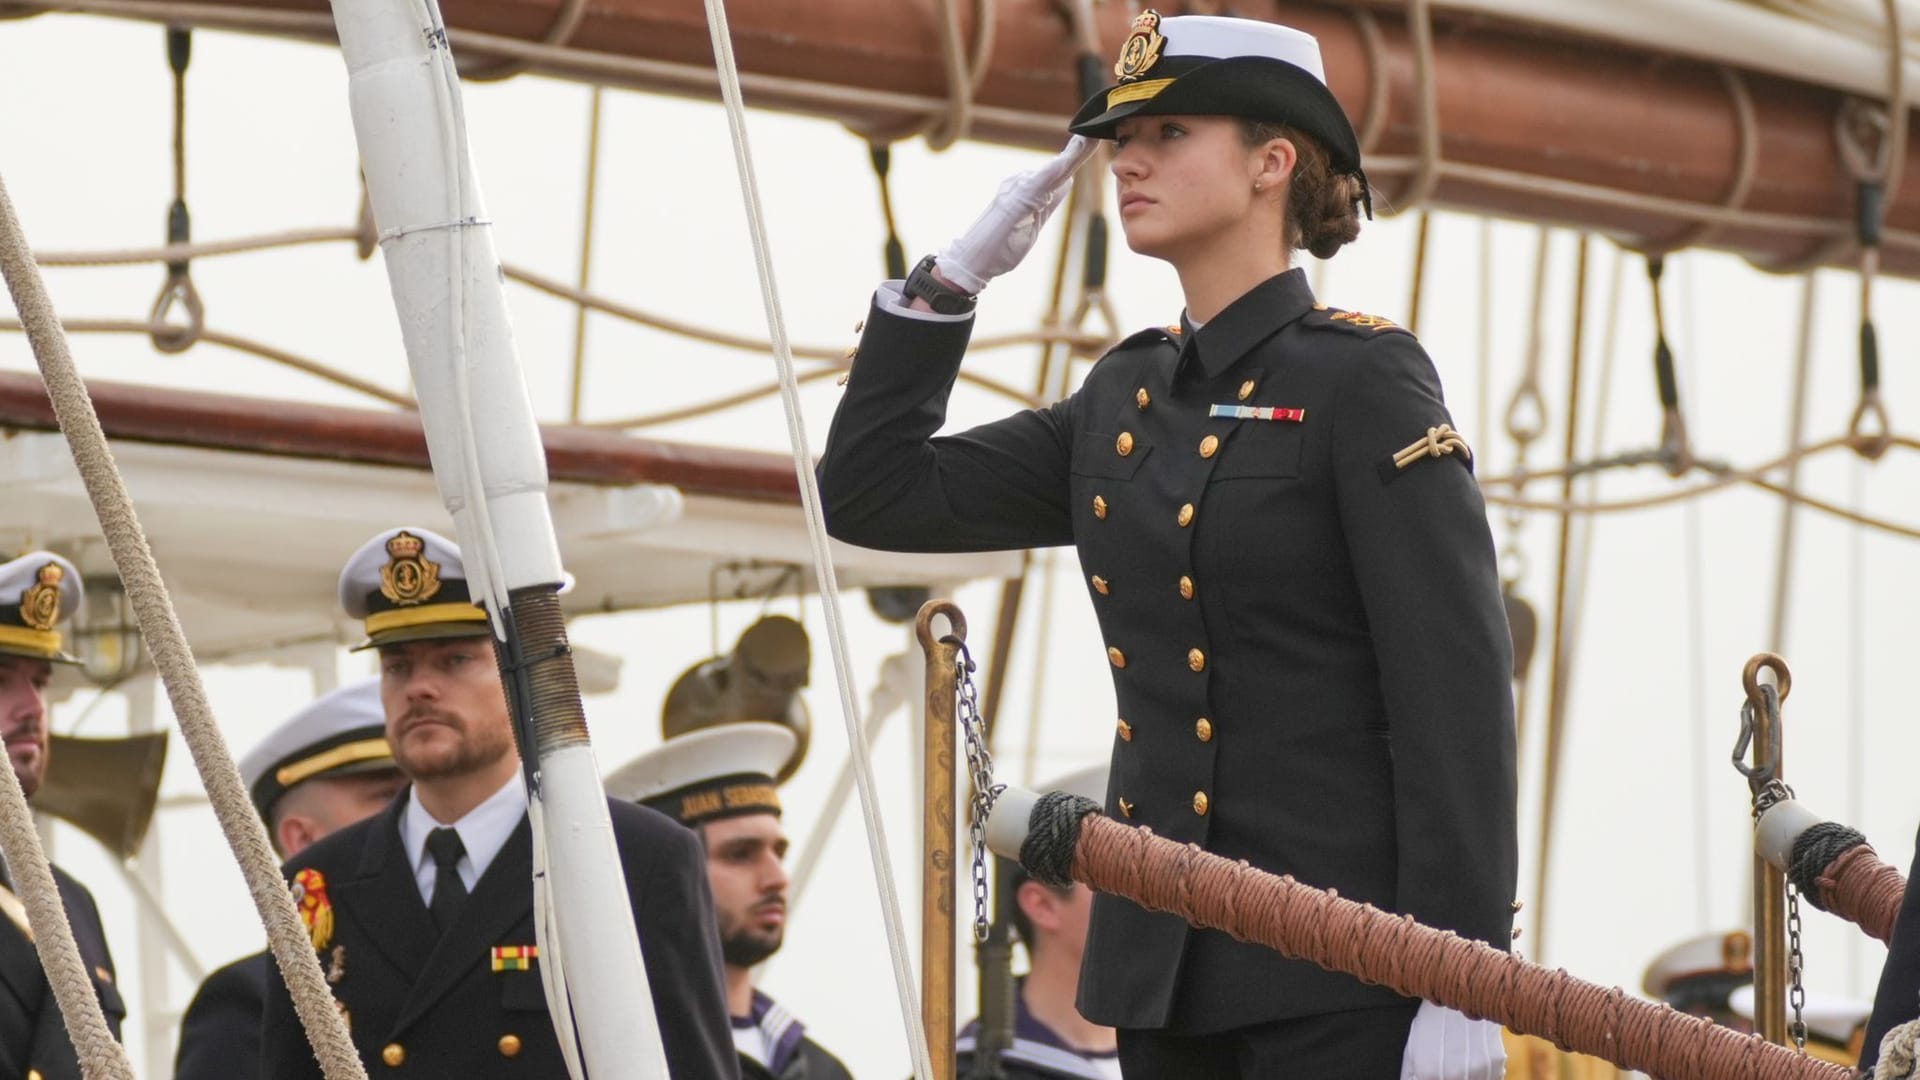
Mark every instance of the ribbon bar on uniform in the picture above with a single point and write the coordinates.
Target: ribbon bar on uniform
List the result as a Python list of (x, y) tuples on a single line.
[(1256, 412)]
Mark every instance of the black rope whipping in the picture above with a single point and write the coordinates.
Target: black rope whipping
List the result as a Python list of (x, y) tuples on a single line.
[(1662, 352), (896, 253), (1052, 831), (1814, 851)]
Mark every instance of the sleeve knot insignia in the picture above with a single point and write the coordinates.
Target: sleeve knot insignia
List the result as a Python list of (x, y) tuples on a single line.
[(1437, 442), (409, 576), (316, 911), (40, 604)]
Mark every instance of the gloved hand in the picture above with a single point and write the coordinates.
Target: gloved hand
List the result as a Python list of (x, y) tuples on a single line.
[(1005, 233), (1444, 1045)]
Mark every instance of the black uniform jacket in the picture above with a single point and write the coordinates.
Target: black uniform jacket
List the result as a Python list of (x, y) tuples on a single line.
[(1897, 1000), (809, 1061), (32, 1034), (220, 1033), (1309, 652), (434, 1002)]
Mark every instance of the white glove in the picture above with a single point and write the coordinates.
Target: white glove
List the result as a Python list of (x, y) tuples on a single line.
[(1005, 233), (1444, 1045)]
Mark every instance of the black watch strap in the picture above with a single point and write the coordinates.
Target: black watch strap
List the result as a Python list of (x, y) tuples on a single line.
[(944, 299)]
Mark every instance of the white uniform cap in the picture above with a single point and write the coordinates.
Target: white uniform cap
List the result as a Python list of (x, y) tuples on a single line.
[(1716, 953), (340, 733), (38, 591), (715, 772), (1217, 37), (1829, 1016), (409, 584)]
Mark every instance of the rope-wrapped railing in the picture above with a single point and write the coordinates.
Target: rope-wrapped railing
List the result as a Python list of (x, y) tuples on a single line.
[(1061, 838), (1832, 865)]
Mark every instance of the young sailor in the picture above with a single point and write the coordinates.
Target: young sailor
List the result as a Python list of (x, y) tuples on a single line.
[(1051, 1040), (39, 591), (719, 782), (324, 768), (423, 914), (1283, 543)]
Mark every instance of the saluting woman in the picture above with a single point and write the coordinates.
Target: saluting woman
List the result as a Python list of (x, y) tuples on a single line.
[(1282, 540)]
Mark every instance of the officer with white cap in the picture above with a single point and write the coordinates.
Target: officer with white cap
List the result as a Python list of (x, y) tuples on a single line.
[(423, 914), (1051, 1040), (322, 769), (39, 591), (720, 782)]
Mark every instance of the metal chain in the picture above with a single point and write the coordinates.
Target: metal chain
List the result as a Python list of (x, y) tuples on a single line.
[(980, 769), (1796, 967)]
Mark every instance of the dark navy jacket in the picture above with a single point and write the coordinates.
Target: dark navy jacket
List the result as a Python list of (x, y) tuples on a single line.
[(220, 1033), (32, 1033), (1309, 652)]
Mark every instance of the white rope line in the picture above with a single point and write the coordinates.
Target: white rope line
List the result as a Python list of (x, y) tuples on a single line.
[(908, 999), (167, 644)]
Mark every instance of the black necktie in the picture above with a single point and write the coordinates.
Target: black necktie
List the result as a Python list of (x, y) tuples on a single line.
[(449, 892)]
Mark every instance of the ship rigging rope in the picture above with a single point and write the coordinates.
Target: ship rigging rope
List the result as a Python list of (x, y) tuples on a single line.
[(167, 644), (823, 569)]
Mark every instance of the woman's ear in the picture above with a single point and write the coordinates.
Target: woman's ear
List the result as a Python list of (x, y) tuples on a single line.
[(1273, 164)]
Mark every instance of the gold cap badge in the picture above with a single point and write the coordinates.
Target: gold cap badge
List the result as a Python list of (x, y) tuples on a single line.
[(409, 577), (40, 605), (1142, 48)]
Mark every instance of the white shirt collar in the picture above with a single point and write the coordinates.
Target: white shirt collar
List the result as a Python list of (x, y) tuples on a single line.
[(483, 831)]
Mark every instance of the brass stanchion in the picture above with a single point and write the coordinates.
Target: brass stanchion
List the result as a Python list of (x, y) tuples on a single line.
[(937, 988), (1760, 725)]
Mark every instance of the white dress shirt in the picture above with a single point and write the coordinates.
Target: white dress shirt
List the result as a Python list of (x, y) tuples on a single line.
[(483, 831)]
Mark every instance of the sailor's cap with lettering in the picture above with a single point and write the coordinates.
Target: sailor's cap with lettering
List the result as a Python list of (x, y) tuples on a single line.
[(38, 591), (717, 772), (342, 733), (1207, 65), (409, 584)]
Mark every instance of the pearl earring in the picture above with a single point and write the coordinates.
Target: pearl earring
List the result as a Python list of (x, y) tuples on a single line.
[(1256, 185)]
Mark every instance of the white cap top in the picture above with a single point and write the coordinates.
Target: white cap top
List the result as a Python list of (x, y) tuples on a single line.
[(749, 748), (361, 578), (1219, 37), (342, 730), (1829, 1016), (1729, 952), (38, 591)]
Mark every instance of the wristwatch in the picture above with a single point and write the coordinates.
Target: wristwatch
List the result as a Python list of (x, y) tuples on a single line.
[(944, 299)]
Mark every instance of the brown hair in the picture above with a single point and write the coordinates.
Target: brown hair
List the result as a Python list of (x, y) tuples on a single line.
[(1323, 207)]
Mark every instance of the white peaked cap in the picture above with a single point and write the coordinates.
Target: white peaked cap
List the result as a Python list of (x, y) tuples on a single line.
[(752, 749), (342, 731), (1219, 37)]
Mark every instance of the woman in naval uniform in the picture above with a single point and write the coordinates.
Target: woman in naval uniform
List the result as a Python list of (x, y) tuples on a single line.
[(1283, 543)]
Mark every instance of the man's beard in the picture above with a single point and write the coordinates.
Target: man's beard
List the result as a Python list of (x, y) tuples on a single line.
[(744, 947), (477, 748)]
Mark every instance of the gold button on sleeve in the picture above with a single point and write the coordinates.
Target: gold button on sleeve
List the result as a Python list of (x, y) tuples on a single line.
[(394, 1055), (1118, 658), (1100, 508), (1200, 803), (1126, 808), (34, 1074), (1126, 731), (509, 1045), (1124, 444), (1196, 660), (1209, 446), (1142, 398), (1100, 585), (1186, 515), (1246, 390), (1203, 729), (1186, 587)]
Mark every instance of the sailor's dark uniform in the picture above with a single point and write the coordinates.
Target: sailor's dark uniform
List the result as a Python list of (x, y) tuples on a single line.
[(220, 1032), (1037, 1053), (419, 1003), (1310, 655), (1897, 999), (33, 1037), (788, 1053)]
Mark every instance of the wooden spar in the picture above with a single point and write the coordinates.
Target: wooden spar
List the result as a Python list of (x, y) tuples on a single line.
[(1589, 122), (938, 993)]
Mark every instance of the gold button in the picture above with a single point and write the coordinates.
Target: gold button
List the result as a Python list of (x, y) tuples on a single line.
[(1196, 660), (1126, 731), (1142, 398), (1100, 585), (1119, 658), (1210, 446), (394, 1055), (509, 1045), (1203, 729), (1200, 803), (34, 1074), (1126, 808), (1186, 515), (1100, 508), (1124, 444), (1186, 587), (1246, 390)]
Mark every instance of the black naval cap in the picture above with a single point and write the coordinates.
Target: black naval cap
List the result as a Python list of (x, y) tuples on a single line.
[(38, 591), (718, 772), (1206, 65), (409, 584), (342, 733)]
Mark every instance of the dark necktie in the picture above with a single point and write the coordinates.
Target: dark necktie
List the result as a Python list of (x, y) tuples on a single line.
[(449, 892)]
